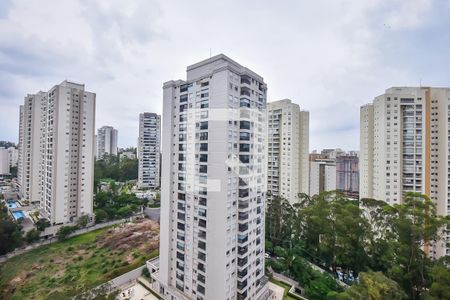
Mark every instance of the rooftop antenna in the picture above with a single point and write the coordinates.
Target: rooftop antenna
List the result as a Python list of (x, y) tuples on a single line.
[(209, 52)]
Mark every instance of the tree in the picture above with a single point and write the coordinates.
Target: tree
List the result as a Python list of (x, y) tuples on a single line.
[(41, 224), (440, 287), (278, 220), (82, 221), (373, 286), (415, 226), (100, 215), (64, 231), (11, 235), (32, 236)]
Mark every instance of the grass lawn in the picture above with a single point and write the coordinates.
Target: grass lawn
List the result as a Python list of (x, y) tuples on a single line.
[(64, 269), (286, 287)]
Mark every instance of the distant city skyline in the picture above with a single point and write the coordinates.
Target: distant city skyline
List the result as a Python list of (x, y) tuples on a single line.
[(329, 57)]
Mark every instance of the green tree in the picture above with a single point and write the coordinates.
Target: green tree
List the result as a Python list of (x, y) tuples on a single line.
[(416, 225), (440, 287), (41, 224), (11, 235), (32, 236), (373, 286), (82, 221), (100, 215), (278, 220), (64, 231)]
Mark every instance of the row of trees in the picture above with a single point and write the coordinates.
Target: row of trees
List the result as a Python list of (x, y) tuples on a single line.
[(347, 237), (114, 168)]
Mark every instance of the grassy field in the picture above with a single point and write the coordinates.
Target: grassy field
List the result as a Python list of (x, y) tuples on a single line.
[(65, 269)]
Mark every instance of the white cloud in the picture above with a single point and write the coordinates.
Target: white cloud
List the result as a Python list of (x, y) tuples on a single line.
[(324, 55)]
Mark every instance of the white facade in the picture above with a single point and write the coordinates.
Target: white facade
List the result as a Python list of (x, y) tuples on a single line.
[(106, 141), (213, 184), (4, 161), (149, 150), (405, 147), (322, 176), (287, 150), (31, 127), (127, 155), (56, 151), (13, 156)]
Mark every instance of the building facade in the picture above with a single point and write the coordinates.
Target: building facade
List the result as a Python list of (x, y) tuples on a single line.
[(287, 150), (149, 150), (4, 161), (213, 184), (347, 175), (106, 141), (13, 156), (31, 139), (322, 176), (56, 152), (405, 147)]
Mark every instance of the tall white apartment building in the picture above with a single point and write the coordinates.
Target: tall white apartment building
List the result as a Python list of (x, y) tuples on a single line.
[(405, 147), (106, 141), (56, 150), (287, 149), (31, 130), (13, 156), (213, 184), (149, 150), (4, 161), (322, 176)]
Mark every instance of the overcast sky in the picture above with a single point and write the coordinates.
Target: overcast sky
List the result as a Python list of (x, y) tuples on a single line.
[(330, 57)]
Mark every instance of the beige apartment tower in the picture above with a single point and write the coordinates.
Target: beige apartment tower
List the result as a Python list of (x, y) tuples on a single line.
[(287, 150), (56, 151), (405, 138), (213, 184)]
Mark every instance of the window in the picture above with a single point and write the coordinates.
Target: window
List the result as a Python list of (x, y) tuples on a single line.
[(244, 125)]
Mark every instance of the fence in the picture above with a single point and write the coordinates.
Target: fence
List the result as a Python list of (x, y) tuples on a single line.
[(35, 245)]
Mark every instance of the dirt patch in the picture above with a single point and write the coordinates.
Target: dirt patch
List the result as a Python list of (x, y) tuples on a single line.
[(142, 235)]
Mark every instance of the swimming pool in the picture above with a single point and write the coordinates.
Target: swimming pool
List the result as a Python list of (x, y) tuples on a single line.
[(12, 204), (18, 215)]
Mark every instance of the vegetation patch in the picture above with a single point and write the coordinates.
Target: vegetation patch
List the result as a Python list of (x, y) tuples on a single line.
[(73, 266)]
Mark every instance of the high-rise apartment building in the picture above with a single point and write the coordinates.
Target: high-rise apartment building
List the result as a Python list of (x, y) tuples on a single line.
[(149, 150), (13, 156), (4, 161), (405, 147), (56, 151), (31, 139), (106, 141), (322, 176), (347, 175), (287, 150), (213, 184)]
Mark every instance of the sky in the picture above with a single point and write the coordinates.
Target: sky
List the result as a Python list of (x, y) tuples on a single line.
[(330, 57)]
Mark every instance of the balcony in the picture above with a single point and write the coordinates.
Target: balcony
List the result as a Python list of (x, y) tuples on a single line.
[(242, 274), (245, 91), (243, 204), (242, 261), (245, 80), (242, 238), (243, 227), (243, 216), (242, 250), (242, 285)]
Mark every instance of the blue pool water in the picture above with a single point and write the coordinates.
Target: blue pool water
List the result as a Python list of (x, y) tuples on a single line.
[(18, 214), (12, 204)]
